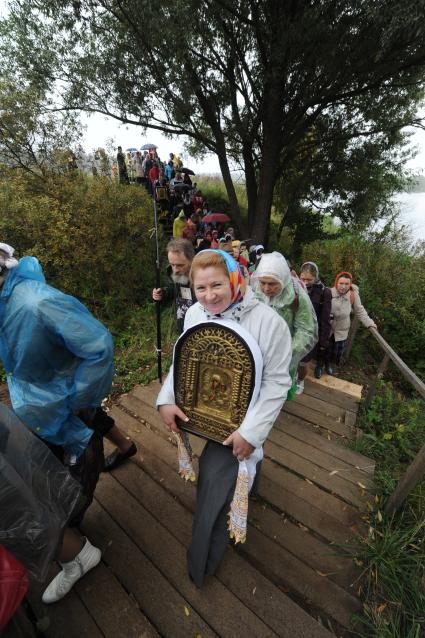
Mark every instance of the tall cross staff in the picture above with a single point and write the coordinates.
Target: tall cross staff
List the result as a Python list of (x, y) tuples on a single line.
[(158, 285)]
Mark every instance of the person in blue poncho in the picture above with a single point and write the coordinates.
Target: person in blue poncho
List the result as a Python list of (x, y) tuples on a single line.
[(59, 364)]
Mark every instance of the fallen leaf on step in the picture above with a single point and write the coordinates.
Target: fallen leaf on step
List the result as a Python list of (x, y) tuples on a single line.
[(186, 611), (333, 472), (253, 591), (361, 485)]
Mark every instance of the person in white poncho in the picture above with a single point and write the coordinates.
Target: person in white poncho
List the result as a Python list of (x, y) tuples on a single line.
[(222, 294), (273, 284)]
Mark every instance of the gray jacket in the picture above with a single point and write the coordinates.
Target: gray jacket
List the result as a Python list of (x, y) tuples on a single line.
[(341, 311)]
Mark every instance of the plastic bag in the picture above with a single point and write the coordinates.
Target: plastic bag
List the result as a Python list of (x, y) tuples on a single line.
[(37, 496), (13, 586)]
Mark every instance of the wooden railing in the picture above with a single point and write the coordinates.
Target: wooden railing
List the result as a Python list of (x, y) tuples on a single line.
[(416, 470)]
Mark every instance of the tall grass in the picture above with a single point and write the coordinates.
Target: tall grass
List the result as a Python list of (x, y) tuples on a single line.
[(393, 553)]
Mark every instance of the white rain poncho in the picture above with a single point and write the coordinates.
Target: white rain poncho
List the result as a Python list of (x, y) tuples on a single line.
[(292, 303)]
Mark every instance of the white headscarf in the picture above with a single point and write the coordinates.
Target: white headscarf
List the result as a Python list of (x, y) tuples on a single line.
[(7, 261), (274, 265)]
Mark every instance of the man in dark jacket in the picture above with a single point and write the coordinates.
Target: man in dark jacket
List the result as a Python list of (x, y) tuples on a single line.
[(180, 254)]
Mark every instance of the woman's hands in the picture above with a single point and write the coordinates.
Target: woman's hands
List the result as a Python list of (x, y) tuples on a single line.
[(168, 415), (241, 448)]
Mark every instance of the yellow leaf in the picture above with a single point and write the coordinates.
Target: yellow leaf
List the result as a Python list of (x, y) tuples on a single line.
[(361, 485), (381, 608), (186, 611), (333, 472), (379, 516)]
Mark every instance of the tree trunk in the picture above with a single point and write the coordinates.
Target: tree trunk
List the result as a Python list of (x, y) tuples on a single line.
[(231, 192)]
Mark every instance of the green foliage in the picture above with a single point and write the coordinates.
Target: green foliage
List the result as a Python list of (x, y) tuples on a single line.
[(417, 184), (393, 428), (255, 82), (135, 340), (92, 236), (393, 553), (214, 191), (392, 286), (31, 138)]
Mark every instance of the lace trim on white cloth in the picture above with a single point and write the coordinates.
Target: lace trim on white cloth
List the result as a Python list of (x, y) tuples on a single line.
[(238, 513), (184, 451)]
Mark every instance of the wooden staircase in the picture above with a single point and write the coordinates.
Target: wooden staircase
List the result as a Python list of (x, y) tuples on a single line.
[(294, 577)]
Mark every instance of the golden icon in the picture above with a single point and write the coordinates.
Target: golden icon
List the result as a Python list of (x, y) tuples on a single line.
[(214, 375)]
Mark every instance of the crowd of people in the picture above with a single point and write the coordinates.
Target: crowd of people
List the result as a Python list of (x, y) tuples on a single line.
[(293, 318), (59, 363), (180, 202)]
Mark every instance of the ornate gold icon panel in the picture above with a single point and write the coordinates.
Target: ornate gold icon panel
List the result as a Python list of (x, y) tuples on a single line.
[(213, 380)]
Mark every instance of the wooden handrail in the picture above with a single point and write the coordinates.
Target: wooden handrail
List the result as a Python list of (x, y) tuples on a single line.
[(404, 369), (416, 470)]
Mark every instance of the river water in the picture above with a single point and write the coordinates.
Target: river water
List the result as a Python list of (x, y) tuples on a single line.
[(413, 213)]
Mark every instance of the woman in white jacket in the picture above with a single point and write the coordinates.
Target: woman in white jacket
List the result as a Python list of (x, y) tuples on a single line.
[(222, 294), (345, 300)]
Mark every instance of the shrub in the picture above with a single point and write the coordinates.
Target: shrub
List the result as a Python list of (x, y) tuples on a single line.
[(92, 236)]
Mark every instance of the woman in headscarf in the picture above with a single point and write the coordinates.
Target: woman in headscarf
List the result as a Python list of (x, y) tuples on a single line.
[(345, 300), (222, 295), (273, 284), (320, 297)]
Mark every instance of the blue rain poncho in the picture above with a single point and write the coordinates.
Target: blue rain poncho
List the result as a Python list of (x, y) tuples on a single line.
[(57, 356)]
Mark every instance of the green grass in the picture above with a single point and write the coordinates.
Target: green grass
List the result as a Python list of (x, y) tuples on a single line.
[(135, 346), (214, 191), (393, 553)]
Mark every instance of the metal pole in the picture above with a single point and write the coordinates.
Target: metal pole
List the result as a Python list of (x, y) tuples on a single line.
[(157, 285)]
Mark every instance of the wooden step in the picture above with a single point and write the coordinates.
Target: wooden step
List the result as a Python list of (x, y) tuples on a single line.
[(331, 395), (290, 567), (292, 483), (268, 603), (304, 432), (289, 575), (331, 382)]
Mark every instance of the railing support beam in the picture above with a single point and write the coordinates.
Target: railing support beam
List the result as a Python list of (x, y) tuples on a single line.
[(373, 386), (414, 474)]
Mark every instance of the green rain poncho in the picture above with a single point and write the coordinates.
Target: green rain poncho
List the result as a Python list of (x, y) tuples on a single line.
[(292, 303)]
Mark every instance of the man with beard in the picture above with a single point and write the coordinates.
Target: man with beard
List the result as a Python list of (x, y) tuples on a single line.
[(180, 254)]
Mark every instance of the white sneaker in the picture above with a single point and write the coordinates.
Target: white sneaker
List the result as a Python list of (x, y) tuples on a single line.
[(88, 558), (300, 387)]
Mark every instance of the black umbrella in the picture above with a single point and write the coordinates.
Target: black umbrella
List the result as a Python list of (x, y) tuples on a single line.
[(185, 170), (181, 186)]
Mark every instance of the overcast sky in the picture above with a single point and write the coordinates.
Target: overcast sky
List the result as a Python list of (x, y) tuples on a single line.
[(100, 128)]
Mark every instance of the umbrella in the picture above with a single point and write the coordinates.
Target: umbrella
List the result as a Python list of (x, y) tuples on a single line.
[(148, 147), (181, 186), (130, 150), (186, 170), (215, 217)]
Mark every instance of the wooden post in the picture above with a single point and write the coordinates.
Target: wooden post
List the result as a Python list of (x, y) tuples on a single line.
[(372, 390), (351, 336), (414, 474)]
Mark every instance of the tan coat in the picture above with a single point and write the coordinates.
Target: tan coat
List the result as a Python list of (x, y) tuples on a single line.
[(341, 311)]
